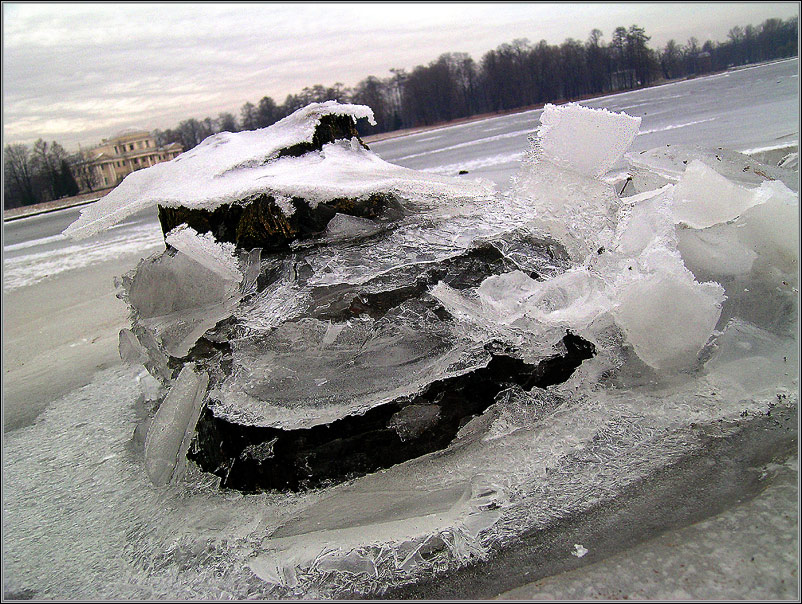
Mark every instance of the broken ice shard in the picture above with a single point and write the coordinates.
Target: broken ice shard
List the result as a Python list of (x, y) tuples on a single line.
[(703, 198), (582, 140), (668, 318), (173, 427), (561, 177)]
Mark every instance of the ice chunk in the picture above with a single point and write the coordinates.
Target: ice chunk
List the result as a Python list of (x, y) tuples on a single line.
[(172, 428), (574, 298), (178, 299), (306, 372), (505, 295), (644, 218), (232, 168), (724, 228), (170, 283), (131, 351), (343, 227), (346, 561), (747, 360), (251, 268), (151, 387), (631, 271), (584, 140), (267, 567), (561, 178), (715, 251), (204, 249), (743, 340), (772, 228), (578, 211), (280, 301), (766, 229), (670, 162), (668, 318), (703, 197)]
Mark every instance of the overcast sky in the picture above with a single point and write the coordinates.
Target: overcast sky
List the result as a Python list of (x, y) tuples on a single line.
[(76, 73)]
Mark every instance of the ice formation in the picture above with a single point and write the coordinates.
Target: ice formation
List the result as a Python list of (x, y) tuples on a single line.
[(552, 344), (584, 141), (231, 168), (561, 175), (173, 427)]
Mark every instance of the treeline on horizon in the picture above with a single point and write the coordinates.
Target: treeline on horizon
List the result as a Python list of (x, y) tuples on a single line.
[(513, 76), (34, 175)]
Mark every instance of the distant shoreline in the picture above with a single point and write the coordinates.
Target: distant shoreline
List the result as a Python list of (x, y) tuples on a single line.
[(86, 198), (375, 138)]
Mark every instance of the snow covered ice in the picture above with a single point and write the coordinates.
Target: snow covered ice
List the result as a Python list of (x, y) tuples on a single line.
[(228, 168), (685, 288)]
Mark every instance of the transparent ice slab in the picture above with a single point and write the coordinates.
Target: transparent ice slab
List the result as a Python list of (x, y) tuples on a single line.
[(309, 372)]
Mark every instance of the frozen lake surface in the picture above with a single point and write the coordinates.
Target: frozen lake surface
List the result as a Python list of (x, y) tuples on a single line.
[(742, 110), (82, 520)]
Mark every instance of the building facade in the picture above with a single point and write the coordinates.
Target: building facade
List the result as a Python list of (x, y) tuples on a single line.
[(113, 159)]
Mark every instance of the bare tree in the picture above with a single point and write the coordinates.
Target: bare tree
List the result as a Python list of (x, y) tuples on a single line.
[(267, 112), (226, 122), (618, 48), (191, 132), (372, 92), (248, 118), (671, 60), (67, 184), (597, 61), (18, 176), (87, 177), (572, 55), (292, 103), (47, 160), (44, 169)]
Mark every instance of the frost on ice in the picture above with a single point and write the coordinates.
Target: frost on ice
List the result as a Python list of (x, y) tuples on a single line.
[(391, 314)]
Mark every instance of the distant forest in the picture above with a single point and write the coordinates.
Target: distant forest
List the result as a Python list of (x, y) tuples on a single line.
[(514, 76)]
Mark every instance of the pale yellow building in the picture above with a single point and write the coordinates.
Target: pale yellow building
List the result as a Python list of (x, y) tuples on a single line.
[(113, 159)]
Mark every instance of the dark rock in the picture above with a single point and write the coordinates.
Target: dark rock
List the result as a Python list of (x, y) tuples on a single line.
[(259, 222), (330, 128), (254, 458)]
